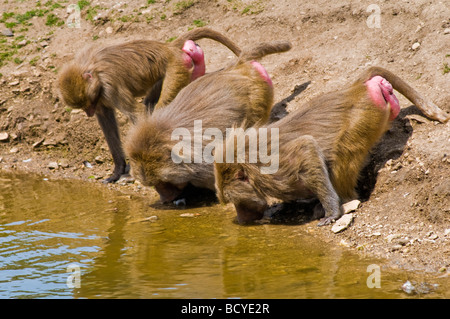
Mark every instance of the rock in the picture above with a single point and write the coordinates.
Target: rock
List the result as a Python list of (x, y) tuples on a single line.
[(109, 30), (447, 232), (187, 215), (14, 150), (447, 31), (87, 164), (53, 165), (342, 223), (4, 136), (64, 163), (38, 143), (22, 43), (415, 46), (49, 142), (7, 33), (44, 44), (180, 202), (99, 159), (14, 83), (351, 206), (150, 219), (408, 287)]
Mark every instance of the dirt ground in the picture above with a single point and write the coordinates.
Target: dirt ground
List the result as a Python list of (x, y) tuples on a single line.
[(405, 189)]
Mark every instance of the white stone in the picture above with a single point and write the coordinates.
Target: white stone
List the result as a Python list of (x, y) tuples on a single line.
[(342, 223)]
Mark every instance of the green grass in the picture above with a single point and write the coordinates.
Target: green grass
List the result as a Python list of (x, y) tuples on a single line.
[(180, 6), (446, 68), (91, 13), (53, 20), (34, 60), (199, 23), (18, 61), (83, 3)]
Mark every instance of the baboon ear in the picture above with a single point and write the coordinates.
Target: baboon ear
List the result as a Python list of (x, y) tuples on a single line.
[(241, 175), (87, 76)]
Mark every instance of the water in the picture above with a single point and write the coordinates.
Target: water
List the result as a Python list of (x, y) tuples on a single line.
[(48, 226)]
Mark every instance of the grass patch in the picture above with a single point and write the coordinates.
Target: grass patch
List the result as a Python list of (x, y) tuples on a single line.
[(446, 68), (170, 39), (163, 16), (91, 13), (181, 6), (199, 23), (53, 20), (34, 60), (18, 61), (83, 3)]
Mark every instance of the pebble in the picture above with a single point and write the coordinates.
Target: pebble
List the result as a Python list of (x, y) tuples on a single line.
[(351, 206), (14, 150), (187, 215), (415, 46), (408, 287), (99, 159), (7, 32), (4, 136), (180, 202), (342, 223), (109, 30), (14, 83), (53, 165), (447, 31)]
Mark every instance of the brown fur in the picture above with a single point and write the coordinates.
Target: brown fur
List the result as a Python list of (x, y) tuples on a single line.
[(104, 79), (233, 95), (344, 124)]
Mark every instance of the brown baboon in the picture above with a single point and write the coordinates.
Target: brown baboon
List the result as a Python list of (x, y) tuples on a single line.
[(103, 79), (325, 140), (214, 102)]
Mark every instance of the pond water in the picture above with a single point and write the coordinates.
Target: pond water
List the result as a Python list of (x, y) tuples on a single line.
[(74, 239)]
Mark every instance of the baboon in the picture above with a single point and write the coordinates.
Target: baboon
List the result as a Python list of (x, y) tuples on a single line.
[(323, 141), (101, 80), (241, 92)]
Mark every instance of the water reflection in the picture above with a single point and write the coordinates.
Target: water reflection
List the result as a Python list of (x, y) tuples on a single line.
[(47, 225)]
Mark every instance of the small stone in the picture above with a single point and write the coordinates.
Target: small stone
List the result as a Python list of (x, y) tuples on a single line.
[(180, 202), (109, 30), (14, 83), (38, 143), (415, 46), (447, 31), (99, 159), (187, 215), (7, 33), (44, 44), (150, 219), (53, 165), (408, 287), (4, 136), (22, 43), (14, 150), (447, 232), (64, 163), (342, 223), (351, 206)]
